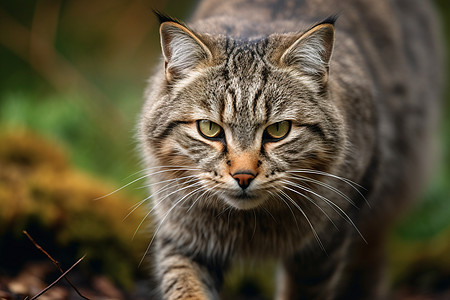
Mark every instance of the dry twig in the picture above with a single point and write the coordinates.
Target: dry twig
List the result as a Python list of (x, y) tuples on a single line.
[(57, 280), (56, 263)]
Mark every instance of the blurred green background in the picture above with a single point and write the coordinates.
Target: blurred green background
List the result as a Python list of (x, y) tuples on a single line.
[(72, 79)]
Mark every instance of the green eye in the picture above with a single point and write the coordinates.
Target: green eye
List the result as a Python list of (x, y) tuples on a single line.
[(209, 129), (278, 130)]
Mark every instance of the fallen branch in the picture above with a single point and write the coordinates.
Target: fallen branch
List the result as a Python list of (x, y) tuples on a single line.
[(56, 263), (57, 280)]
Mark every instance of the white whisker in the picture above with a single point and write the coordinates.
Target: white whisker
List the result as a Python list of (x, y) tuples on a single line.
[(229, 214), (165, 181), (327, 186), (347, 217), (160, 201), (156, 167), (164, 218), (145, 176), (170, 180), (223, 211), (352, 184), (165, 188), (254, 228), (313, 202), (287, 204), (267, 211), (121, 188), (134, 207), (199, 197), (307, 219), (171, 170), (310, 171)]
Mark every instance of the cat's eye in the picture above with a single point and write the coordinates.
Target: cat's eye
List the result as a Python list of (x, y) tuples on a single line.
[(209, 129), (277, 131)]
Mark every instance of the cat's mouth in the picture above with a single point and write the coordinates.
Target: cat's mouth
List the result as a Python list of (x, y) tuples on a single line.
[(245, 196), (244, 200)]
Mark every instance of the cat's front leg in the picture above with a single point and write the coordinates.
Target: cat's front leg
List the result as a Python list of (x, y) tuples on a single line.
[(183, 278)]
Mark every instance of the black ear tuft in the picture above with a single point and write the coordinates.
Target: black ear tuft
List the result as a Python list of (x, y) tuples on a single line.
[(162, 18), (329, 20)]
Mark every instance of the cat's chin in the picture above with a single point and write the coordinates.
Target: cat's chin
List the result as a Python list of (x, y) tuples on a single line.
[(244, 202)]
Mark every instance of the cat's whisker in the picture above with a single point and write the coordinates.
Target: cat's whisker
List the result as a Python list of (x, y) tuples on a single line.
[(325, 185), (162, 221), (331, 203), (308, 190), (149, 185), (172, 170), (170, 180), (134, 207), (223, 211), (352, 184), (165, 188), (268, 212), (121, 188), (165, 217), (160, 201), (315, 204), (199, 197), (178, 190), (274, 197), (138, 172), (287, 204), (311, 171), (307, 219), (229, 215), (168, 166), (155, 167), (227, 208), (145, 176), (254, 226)]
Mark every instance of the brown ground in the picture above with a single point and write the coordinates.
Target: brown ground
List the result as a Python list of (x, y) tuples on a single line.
[(36, 276)]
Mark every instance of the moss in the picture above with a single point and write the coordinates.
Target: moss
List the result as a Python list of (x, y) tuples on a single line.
[(40, 191)]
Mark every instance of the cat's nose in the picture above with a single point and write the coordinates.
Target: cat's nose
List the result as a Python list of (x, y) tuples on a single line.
[(243, 178)]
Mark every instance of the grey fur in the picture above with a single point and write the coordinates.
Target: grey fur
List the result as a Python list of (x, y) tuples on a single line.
[(367, 114)]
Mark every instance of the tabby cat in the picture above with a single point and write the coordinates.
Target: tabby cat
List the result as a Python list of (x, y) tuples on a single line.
[(268, 133)]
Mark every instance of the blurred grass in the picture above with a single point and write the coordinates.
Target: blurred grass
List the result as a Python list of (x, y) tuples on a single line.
[(60, 117), (74, 72)]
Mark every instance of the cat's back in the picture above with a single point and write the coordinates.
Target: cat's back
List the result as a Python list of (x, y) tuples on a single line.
[(405, 26)]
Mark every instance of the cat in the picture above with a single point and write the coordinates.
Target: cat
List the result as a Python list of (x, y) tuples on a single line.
[(268, 133)]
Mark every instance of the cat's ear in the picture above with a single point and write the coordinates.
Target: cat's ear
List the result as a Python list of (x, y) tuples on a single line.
[(182, 50), (311, 52)]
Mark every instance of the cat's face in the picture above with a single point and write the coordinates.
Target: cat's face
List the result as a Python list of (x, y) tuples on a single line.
[(242, 117)]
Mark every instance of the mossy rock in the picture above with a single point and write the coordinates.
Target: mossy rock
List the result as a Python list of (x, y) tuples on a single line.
[(63, 209)]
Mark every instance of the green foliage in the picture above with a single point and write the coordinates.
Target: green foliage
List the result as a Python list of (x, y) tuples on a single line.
[(431, 217), (64, 118)]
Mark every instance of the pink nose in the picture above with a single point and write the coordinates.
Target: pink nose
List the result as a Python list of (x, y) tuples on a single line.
[(243, 178)]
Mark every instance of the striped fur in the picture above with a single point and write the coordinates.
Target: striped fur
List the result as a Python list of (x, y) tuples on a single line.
[(361, 106)]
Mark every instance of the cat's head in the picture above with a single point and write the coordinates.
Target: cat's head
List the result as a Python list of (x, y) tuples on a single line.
[(243, 116)]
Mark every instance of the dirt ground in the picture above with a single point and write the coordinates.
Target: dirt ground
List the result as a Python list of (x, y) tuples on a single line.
[(37, 276)]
